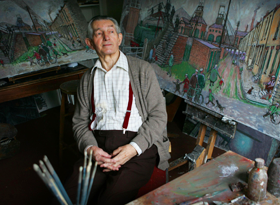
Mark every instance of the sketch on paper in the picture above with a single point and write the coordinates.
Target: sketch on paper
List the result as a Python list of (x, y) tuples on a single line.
[(36, 34), (221, 55)]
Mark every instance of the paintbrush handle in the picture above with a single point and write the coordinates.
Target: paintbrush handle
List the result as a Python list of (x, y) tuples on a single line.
[(91, 181), (57, 181), (48, 183), (79, 185)]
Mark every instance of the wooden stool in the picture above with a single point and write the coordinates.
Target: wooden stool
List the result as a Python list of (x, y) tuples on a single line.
[(67, 88), (9, 146)]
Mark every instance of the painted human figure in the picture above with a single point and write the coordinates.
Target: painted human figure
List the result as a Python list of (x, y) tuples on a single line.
[(159, 7), (151, 55), (55, 53), (54, 42), (154, 52), (221, 83), (170, 63), (49, 43), (236, 54), (46, 48), (2, 62), (270, 85), (79, 41), (240, 70), (177, 21), (31, 60), (193, 83), (172, 14), (272, 109), (186, 84), (214, 75), (232, 52), (177, 86), (43, 53), (37, 56), (167, 8), (211, 98), (201, 79)]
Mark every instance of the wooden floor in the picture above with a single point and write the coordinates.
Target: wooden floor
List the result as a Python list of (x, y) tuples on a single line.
[(19, 183)]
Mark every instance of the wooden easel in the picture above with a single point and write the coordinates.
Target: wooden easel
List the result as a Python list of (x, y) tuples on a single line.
[(210, 119)]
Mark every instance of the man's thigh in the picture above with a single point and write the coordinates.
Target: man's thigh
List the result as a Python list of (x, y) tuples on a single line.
[(122, 186)]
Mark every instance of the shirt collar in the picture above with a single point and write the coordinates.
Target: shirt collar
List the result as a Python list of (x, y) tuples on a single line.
[(121, 63)]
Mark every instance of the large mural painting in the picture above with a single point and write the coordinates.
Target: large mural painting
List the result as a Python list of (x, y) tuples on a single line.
[(222, 55), (37, 34)]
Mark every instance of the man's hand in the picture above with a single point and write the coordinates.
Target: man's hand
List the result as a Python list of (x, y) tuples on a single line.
[(121, 156), (99, 155), (103, 158)]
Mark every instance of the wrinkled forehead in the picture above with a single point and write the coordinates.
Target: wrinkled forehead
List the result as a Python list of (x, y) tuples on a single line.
[(102, 24)]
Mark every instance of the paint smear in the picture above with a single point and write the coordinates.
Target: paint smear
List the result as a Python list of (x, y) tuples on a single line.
[(228, 170)]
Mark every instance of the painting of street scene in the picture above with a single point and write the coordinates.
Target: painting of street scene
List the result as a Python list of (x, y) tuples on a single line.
[(222, 55), (37, 34)]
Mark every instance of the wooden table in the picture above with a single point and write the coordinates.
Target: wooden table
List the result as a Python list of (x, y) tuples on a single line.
[(37, 86), (212, 178)]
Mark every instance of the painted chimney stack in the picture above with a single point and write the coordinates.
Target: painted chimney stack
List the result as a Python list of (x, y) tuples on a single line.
[(253, 19)]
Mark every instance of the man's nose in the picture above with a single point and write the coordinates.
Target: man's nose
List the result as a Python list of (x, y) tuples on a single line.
[(106, 36)]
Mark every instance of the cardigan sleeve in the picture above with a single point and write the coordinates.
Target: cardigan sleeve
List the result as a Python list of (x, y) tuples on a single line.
[(155, 117), (81, 119)]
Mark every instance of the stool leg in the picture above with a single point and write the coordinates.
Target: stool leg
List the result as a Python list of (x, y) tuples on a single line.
[(61, 127)]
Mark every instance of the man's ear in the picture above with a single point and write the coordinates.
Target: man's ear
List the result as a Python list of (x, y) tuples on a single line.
[(120, 38), (89, 43)]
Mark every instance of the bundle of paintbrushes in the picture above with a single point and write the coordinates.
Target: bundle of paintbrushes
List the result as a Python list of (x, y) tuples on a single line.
[(85, 181)]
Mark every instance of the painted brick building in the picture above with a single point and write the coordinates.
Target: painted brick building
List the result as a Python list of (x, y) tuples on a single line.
[(179, 49), (185, 27), (199, 24), (204, 55), (214, 33)]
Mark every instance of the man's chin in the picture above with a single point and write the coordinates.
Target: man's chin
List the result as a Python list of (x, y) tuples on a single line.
[(109, 52)]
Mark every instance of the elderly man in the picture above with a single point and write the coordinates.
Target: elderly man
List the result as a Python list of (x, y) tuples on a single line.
[(120, 116)]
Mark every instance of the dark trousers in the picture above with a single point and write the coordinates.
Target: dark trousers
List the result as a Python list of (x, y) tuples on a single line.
[(116, 187)]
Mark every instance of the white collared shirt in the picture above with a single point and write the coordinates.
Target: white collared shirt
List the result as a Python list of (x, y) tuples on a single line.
[(111, 93)]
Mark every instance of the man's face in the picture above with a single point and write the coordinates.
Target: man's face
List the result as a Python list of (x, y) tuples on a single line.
[(105, 39)]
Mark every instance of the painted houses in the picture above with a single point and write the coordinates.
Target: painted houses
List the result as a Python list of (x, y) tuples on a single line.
[(262, 46), (214, 33), (204, 55), (185, 27)]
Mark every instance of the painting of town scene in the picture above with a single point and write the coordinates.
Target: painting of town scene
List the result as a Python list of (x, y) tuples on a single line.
[(222, 55), (37, 34)]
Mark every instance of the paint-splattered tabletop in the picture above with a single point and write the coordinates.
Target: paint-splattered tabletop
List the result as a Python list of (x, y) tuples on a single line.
[(213, 178)]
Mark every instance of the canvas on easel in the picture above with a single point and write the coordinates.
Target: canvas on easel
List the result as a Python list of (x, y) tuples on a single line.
[(37, 35), (222, 55)]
